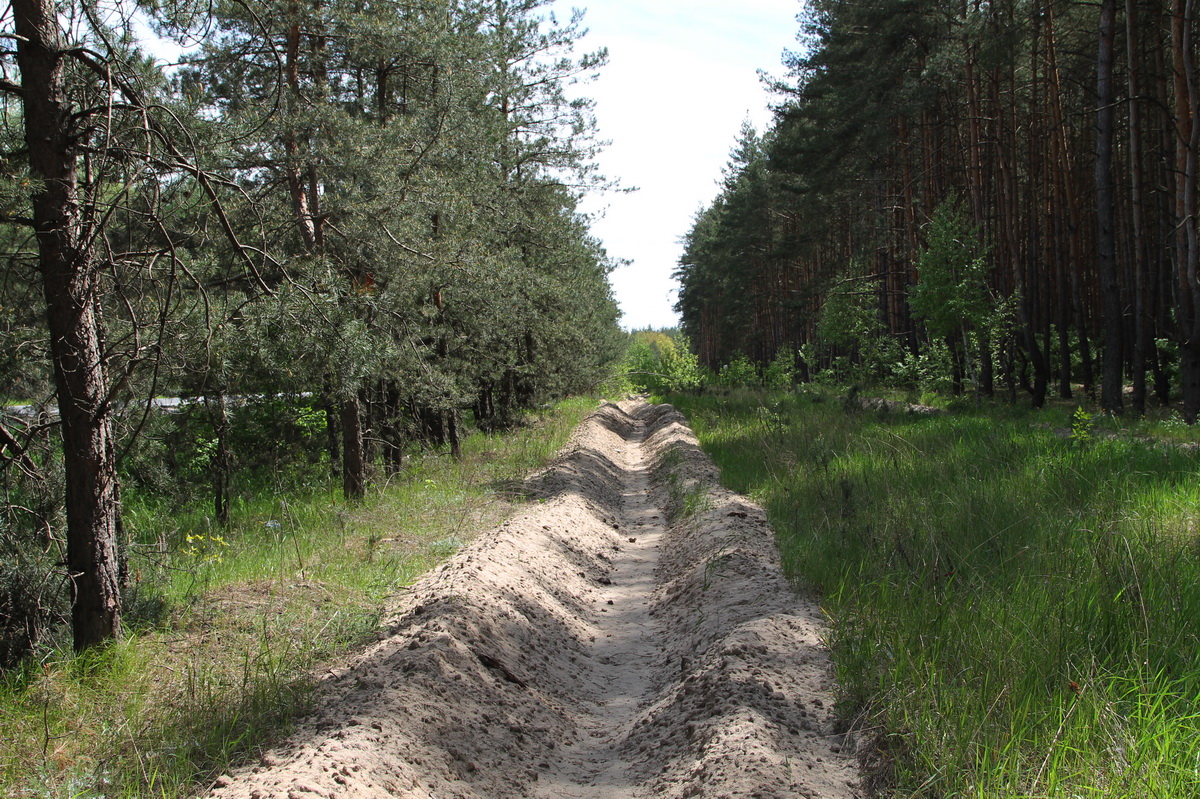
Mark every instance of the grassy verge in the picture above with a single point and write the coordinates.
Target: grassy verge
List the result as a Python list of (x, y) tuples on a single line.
[(231, 625), (1014, 596)]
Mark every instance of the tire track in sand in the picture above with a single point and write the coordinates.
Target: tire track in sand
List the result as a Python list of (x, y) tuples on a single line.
[(586, 649)]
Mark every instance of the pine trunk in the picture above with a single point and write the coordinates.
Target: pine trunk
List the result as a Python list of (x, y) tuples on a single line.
[(1182, 19), (1112, 381), (1143, 331), (333, 433), (354, 465), (222, 462), (70, 286)]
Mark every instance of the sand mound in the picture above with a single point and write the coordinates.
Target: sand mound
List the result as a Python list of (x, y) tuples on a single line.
[(588, 647)]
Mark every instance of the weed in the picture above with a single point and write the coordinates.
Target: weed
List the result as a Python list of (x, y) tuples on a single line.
[(713, 566), (1082, 423), (692, 500)]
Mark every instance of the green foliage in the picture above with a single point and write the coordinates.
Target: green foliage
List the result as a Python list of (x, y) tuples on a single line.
[(850, 315), (738, 373), (850, 330), (953, 298), (34, 595), (459, 273), (682, 368), (1013, 613), (658, 363), (278, 441), (851, 193), (1082, 423), (928, 370), (780, 373), (952, 294)]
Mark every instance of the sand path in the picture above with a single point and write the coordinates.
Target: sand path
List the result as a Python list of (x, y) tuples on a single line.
[(628, 635), (619, 669)]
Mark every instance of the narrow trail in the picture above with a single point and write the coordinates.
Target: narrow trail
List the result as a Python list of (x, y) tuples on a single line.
[(630, 634), (626, 652)]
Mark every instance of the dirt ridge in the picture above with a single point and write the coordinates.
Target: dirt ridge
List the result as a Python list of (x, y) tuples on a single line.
[(631, 634)]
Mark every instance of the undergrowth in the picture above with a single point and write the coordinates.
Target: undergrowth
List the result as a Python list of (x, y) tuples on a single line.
[(230, 625), (1013, 596)]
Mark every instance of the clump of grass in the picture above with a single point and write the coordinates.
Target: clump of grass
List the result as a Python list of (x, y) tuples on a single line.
[(1014, 605), (686, 498), (230, 623)]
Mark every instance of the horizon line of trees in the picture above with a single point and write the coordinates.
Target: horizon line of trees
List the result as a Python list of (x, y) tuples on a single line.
[(1003, 191), (371, 204)]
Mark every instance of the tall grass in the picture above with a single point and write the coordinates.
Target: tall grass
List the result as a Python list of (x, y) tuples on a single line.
[(1014, 607), (231, 625)]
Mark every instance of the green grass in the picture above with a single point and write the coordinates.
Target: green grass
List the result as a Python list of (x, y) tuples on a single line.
[(1014, 609), (231, 625)]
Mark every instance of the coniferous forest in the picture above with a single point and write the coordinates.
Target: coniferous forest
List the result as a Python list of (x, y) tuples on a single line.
[(296, 295), (987, 196), (349, 224)]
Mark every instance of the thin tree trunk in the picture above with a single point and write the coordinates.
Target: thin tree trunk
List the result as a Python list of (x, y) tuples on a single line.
[(1037, 284), (1068, 204), (987, 368), (392, 433), (452, 434), (1064, 346), (957, 370), (298, 186), (333, 433), (1142, 321), (368, 420), (1182, 13), (222, 462), (354, 479), (1164, 160), (1112, 381)]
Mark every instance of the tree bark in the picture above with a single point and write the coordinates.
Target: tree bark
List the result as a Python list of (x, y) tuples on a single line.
[(354, 479), (1186, 132), (1112, 381), (70, 286), (1143, 331), (222, 462), (452, 434), (392, 432), (333, 433), (306, 220)]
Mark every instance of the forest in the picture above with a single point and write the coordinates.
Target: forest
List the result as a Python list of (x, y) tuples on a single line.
[(334, 230), (993, 196), (312, 385)]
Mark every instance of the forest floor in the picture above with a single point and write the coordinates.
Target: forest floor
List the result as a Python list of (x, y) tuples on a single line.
[(630, 634)]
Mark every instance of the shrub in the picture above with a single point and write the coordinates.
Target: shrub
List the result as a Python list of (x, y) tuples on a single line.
[(739, 373), (780, 373)]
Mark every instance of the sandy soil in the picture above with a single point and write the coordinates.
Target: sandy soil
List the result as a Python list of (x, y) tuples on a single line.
[(601, 644)]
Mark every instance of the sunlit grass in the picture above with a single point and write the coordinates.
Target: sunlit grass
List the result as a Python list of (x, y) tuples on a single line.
[(1015, 610), (232, 623)]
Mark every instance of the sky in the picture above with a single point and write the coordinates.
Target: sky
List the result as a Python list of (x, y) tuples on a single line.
[(681, 79)]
